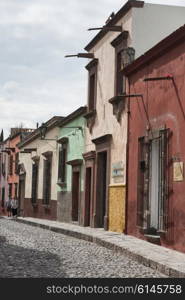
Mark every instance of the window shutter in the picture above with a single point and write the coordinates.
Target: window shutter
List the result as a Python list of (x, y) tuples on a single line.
[(44, 181), (62, 163), (92, 84), (1, 164), (17, 163), (3, 197), (47, 181), (143, 181), (163, 180), (120, 78), (10, 190), (11, 165), (140, 183), (34, 182)]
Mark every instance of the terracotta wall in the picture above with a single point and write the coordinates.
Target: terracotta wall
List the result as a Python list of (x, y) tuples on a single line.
[(164, 103), (14, 178)]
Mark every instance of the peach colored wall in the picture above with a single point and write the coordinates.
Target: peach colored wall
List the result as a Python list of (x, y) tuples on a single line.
[(14, 178), (106, 122)]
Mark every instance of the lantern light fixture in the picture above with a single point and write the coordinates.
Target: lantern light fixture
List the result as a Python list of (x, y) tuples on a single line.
[(128, 56)]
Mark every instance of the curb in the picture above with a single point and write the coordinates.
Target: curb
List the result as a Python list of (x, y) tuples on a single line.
[(161, 267)]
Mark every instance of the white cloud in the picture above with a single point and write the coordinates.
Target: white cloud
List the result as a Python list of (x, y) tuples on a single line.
[(36, 82)]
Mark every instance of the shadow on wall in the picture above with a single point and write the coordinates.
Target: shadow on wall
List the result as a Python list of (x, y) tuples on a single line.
[(19, 262)]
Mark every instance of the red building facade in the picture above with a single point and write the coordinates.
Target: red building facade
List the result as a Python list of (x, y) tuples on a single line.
[(156, 138), (16, 136)]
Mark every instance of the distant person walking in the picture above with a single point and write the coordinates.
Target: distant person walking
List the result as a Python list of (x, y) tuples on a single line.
[(14, 206), (8, 207)]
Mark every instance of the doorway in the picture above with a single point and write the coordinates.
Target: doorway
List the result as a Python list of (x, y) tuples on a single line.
[(21, 195), (75, 195), (101, 187), (88, 200)]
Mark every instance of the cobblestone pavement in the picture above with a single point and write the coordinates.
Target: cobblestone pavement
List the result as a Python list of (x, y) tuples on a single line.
[(27, 251)]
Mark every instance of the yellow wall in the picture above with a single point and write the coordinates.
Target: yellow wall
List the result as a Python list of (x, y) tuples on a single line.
[(117, 208)]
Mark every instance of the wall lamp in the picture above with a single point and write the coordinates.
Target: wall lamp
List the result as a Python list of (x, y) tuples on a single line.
[(43, 130), (128, 55)]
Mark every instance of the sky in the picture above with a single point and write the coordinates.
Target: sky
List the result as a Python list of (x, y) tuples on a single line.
[(36, 81)]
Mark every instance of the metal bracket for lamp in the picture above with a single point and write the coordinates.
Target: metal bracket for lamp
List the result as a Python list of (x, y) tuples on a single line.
[(10, 149), (81, 55), (108, 28), (29, 150)]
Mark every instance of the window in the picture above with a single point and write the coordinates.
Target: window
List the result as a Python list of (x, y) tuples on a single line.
[(10, 164), (17, 163), (3, 169), (62, 162), (120, 78), (0, 164), (34, 190), (119, 44), (141, 175), (153, 174), (10, 190), (92, 89), (16, 190), (3, 197), (164, 136), (47, 178)]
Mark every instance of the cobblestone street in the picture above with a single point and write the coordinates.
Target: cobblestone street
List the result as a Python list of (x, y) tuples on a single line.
[(26, 251)]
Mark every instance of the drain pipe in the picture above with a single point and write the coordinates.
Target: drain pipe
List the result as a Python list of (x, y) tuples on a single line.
[(127, 158)]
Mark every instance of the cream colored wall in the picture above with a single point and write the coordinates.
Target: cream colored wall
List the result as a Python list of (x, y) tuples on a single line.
[(106, 122), (42, 146)]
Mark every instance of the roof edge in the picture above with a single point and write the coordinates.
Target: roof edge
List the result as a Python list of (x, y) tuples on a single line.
[(160, 48), (125, 8), (35, 134), (80, 111)]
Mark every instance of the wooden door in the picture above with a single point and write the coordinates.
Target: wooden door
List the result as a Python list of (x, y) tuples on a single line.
[(21, 195), (75, 195), (101, 188)]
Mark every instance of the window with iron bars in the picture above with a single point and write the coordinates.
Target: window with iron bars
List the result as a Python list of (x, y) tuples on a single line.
[(34, 190), (143, 181), (47, 180)]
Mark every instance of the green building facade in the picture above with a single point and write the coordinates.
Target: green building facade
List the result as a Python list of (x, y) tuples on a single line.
[(71, 145)]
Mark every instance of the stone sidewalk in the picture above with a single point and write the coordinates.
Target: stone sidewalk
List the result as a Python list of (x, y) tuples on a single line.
[(167, 261)]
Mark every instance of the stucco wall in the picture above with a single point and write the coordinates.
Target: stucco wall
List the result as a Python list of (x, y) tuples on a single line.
[(106, 122), (42, 146), (14, 178), (146, 27), (75, 147), (164, 100), (154, 22)]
